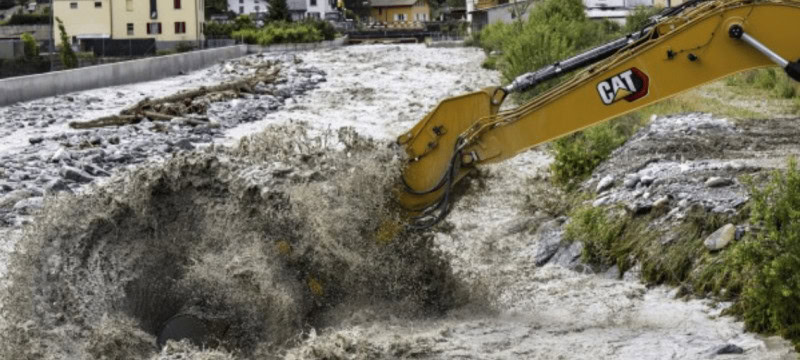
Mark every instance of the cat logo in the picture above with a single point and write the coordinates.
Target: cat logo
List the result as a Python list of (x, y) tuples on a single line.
[(630, 85)]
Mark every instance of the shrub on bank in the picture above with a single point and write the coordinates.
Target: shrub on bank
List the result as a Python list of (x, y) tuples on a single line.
[(768, 261), (280, 33), (29, 19)]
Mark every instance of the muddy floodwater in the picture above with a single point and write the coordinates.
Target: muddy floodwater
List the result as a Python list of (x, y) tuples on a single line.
[(276, 237)]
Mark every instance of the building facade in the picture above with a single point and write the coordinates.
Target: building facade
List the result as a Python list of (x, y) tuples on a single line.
[(246, 7), (400, 11), (166, 21)]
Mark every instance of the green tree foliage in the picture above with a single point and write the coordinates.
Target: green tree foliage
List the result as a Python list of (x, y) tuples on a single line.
[(218, 30), (31, 46), (216, 7), (278, 10), (68, 57), (640, 18)]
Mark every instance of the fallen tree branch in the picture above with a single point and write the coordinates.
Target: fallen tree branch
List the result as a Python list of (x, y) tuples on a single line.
[(148, 107), (113, 120)]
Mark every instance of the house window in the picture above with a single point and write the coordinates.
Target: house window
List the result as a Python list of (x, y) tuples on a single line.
[(73, 5), (399, 17), (154, 28), (312, 2), (98, 4), (241, 9), (177, 4), (313, 15), (420, 17), (257, 8), (129, 5), (130, 29), (180, 27)]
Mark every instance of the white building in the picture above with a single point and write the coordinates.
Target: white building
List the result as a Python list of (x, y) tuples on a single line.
[(298, 9), (318, 8), (243, 7)]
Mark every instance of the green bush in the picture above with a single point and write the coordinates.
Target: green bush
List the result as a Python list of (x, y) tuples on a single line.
[(29, 19), (325, 28), (280, 33), (31, 46), (184, 46), (224, 30), (769, 261)]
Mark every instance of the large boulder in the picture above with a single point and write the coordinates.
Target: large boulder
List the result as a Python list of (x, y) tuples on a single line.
[(721, 238)]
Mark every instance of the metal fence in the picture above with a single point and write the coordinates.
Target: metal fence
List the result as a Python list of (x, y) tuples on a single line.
[(119, 47)]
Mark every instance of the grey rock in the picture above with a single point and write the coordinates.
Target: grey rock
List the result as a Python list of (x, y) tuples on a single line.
[(56, 186), (639, 208), (720, 238), (6, 187), (114, 140), (683, 203), (36, 140), (569, 257), (741, 231), (613, 273), (281, 170), (61, 155), (631, 181), (601, 202), (661, 202), (605, 183), (29, 205), (716, 182), (94, 170), (184, 144), (548, 241), (729, 349), (76, 175), (647, 180), (9, 200)]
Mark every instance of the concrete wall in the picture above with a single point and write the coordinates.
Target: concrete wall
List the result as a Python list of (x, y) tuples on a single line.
[(11, 49), (40, 32), (25, 88)]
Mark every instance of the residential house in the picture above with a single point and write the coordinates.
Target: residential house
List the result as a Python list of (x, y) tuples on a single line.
[(668, 3), (321, 9), (297, 9), (167, 21), (400, 11), (246, 7), (486, 12)]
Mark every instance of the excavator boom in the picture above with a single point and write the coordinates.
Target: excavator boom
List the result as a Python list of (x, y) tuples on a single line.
[(684, 48)]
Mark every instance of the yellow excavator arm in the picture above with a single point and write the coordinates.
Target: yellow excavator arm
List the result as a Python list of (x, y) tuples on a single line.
[(686, 47)]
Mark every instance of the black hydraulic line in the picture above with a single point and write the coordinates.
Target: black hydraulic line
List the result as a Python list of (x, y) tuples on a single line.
[(529, 80)]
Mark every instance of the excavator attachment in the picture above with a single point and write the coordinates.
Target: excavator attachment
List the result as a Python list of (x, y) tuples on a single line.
[(682, 48), (433, 143)]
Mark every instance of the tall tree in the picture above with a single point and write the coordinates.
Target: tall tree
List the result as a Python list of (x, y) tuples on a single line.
[(68, 57), (278, 10)]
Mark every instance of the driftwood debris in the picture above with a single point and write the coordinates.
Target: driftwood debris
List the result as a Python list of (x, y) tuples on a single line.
[(188, 105)]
